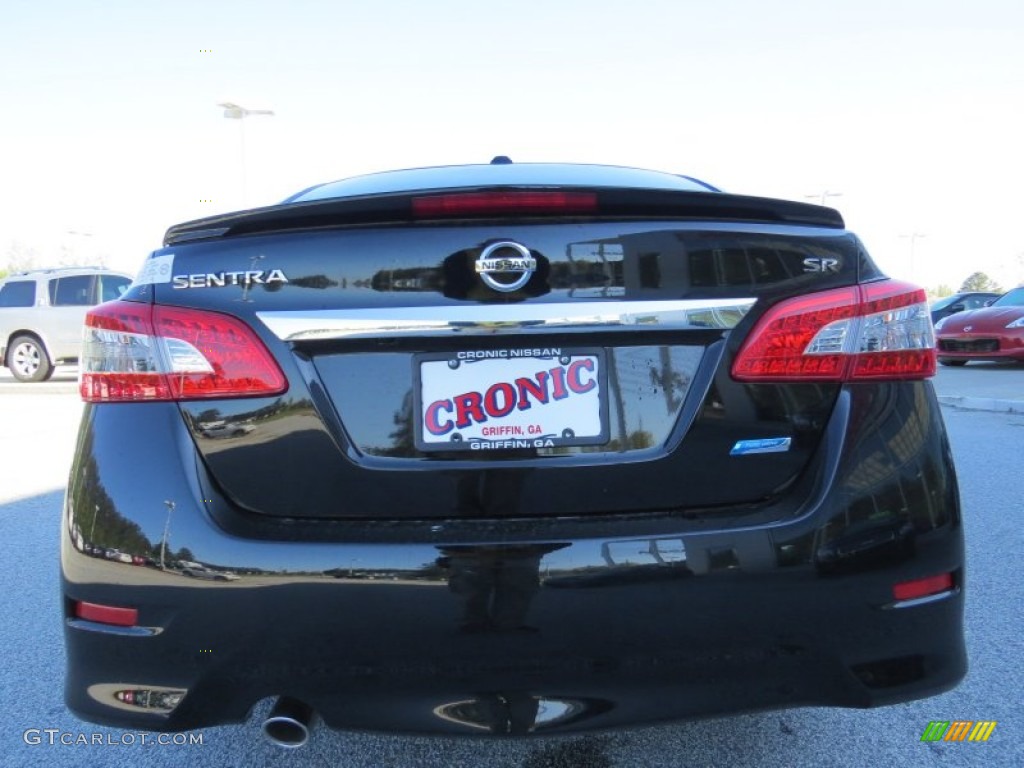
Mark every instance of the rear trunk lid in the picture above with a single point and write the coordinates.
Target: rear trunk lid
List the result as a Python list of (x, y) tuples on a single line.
[(588, 375)]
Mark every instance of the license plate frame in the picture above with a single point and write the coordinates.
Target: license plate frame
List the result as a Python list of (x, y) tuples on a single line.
[(565, 389)]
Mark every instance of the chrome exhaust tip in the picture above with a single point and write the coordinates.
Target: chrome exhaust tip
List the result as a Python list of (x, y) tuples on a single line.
[(289, 723)]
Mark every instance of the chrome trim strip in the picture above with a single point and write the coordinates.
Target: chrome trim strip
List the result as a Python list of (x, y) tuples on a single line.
[(926, 600), (113, 629), (496, 319)]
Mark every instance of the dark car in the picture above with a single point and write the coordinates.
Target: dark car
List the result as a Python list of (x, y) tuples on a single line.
[(534, 449), (995, 332), (960, 302)]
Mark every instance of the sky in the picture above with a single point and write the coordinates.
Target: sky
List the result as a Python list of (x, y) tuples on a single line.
[(906, 115)]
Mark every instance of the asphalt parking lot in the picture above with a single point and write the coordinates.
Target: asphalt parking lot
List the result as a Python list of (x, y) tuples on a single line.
[(37, 427), (982, 386), (63, 381)]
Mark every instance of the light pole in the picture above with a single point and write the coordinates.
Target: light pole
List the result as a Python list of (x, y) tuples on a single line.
[(823, 195), (233, 111), (913, 237), (72, 250), (167, 533)]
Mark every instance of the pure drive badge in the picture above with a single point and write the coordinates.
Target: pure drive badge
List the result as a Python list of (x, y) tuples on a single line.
[(506, 266), (245, 278)]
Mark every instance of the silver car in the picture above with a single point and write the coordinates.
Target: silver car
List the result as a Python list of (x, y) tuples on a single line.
[(42, 312)]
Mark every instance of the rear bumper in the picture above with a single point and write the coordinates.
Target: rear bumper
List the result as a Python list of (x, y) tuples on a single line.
[(507, 627)]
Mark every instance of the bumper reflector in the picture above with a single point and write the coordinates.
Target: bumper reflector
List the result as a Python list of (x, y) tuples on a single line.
[(106, 614), (930, 585)]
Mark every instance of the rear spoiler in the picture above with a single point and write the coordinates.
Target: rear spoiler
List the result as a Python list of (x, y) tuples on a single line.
[(612, 203)]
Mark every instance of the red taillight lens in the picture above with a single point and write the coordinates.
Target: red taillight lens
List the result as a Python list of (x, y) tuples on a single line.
[(499, 203), (871, 331), (107, 614), (930, 585), (134, 351), (214, 355)]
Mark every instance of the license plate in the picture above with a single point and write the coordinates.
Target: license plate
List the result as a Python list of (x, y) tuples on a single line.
[(510, 399)]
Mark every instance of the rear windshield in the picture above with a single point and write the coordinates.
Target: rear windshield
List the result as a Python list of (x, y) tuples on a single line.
[(522, 174)]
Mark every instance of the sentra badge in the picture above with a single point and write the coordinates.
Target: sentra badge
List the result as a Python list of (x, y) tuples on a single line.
[(506, 266), (244, 278)]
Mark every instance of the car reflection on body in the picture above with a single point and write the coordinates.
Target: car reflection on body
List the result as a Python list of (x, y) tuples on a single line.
[(200, 571), (995, 332), (117, 556), (222, 428)]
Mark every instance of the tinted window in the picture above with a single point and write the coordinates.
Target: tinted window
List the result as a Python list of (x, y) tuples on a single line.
[(113, 287), (1014, 298), (74, 291), (18, 294)]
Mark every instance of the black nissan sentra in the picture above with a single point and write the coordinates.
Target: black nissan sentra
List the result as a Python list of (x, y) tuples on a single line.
[(509, 449)]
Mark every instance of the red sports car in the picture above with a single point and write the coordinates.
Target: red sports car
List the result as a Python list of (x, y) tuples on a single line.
[(995, 332)]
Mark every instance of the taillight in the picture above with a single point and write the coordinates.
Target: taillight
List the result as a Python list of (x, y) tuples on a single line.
[(133, 351), (522, 202), (877, 330), (930, 585)]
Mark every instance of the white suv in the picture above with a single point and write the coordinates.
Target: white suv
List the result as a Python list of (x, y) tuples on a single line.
[(42, 312)]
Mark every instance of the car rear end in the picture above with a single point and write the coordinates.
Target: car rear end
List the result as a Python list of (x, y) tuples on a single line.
[(511, 449)]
